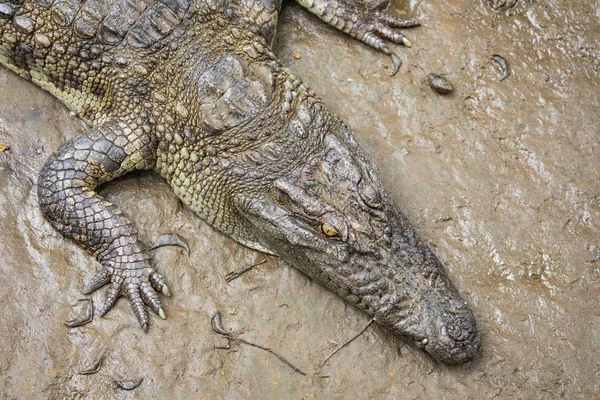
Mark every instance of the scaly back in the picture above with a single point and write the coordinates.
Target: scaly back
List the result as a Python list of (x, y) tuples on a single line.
[(72, 49)]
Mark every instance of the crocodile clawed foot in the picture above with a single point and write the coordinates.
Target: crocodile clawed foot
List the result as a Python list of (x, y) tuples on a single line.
[(140, 285)]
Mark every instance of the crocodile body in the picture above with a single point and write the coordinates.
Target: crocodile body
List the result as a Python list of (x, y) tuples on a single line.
[(192, 90)]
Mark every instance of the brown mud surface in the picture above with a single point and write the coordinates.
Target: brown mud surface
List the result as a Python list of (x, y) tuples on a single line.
[(502, 178)]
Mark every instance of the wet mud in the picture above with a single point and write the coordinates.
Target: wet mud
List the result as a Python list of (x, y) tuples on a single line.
[(500, 177)]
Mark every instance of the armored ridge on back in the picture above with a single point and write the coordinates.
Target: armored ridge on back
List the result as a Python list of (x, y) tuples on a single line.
[(193, 91)]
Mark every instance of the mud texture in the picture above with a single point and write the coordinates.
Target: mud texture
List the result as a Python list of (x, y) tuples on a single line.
[(502, 178)]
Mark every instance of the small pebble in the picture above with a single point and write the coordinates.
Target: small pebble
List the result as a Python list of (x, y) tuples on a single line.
[(439, 83)]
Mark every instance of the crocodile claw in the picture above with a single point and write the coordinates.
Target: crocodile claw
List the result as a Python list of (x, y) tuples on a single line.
[(159, 284), (114, 292), (100, 279)]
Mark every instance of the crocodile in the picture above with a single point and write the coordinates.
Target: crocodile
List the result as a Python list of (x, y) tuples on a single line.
[(192, 90)]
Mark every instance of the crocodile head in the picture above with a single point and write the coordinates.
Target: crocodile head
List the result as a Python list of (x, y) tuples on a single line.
[(331, 219)]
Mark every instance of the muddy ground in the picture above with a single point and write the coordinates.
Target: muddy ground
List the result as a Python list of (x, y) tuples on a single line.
[(502, 178)]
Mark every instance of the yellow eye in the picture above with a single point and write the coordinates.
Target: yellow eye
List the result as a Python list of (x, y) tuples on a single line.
[(329, 230)]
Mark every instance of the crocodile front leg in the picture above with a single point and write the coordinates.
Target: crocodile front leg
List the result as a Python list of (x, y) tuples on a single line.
[(67, 197), (366, 21)]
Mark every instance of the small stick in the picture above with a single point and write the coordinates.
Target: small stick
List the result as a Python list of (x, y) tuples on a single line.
[(236, 274), (348, 342), (298, 370), (217, 325)]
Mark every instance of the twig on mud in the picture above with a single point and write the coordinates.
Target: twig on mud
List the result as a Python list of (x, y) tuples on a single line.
[(348, 342), (236, 274), (217, 326), (292, 366)]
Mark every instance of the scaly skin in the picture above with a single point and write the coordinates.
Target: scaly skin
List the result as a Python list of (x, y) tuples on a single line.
[(193, 91)]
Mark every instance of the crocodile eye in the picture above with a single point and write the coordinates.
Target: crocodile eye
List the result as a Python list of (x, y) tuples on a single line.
[(329, 230), (280, 197)]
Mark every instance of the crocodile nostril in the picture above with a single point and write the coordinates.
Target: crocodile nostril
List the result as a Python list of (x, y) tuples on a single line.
[(460, 329)]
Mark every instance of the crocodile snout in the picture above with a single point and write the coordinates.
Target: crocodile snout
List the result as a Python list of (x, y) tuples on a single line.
[(460, 329), (455, 339)]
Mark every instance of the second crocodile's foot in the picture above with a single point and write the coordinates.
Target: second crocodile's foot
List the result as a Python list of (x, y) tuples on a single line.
[(136, 280), (376, 26), (369, 23)]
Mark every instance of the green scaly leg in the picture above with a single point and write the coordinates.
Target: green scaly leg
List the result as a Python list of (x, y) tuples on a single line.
[(67, 196)]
